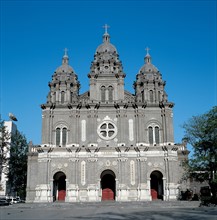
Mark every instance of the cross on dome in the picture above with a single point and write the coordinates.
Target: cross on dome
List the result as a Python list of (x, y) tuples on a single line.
[(147, 50), (66, 52), (147, 57), (65, 59), (106, 28)]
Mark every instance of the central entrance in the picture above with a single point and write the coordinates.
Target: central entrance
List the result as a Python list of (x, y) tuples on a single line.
[(59, 186), (156, 185), (108, 185)]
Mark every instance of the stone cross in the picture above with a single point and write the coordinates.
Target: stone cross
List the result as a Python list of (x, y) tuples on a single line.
[(147, 50), (66, 50), (106, 28)]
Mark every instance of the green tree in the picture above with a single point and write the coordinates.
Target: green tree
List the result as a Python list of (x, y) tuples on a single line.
[(201, 133), (17, 174)]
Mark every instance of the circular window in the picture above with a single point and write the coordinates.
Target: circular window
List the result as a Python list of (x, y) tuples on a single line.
[(107, 130)]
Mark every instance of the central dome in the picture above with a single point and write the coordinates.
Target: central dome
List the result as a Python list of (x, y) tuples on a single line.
[(106, 46), (65, 68)]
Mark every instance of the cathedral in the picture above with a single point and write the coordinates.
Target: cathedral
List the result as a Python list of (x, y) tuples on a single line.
[(107, 143)]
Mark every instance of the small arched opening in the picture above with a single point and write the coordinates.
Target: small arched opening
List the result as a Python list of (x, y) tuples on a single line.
[(156, 185), (108, 185), (59, 186)]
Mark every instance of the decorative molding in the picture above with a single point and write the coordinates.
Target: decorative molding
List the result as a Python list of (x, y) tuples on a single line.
[(92, 159), (132, 172), (83, 173), (131, 131), (83, 130)]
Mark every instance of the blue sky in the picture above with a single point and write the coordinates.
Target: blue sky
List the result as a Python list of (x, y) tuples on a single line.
[(181, 34)]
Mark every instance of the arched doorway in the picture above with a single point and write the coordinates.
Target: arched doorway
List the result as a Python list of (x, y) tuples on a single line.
[(156, 185), (59, 186), (108, 185)]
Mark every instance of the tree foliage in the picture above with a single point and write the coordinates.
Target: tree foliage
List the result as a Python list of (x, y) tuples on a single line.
[(17, 175), (201, 133)]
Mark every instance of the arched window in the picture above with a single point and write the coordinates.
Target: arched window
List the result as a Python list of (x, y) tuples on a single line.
[(71, 97), (54, 97), (157, 135), (110, 90), (151, 96), (143, 98), (62, 97), (103, 93), (57, 136), (64, 135), (159, 96), (61, 136), (150, 135), (154, 134)]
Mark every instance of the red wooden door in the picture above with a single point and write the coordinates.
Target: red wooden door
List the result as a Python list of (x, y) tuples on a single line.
[(107, 194), (61, 195), (153, 194)]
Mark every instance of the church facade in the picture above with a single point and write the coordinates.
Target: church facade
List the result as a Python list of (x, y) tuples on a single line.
[(106, 144)]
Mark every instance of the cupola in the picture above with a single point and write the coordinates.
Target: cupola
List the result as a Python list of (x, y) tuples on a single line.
[(149, 85), (64, 86)]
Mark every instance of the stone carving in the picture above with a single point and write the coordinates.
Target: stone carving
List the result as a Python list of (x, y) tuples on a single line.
[(108, 163)]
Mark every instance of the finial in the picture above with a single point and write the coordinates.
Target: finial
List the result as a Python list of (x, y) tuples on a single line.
[(65, 51), (147, 50), (106, 37), (106, 28), (65, 59), (147, 57)]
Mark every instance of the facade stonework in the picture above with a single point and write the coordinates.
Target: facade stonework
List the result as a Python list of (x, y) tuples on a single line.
[(106, 144)]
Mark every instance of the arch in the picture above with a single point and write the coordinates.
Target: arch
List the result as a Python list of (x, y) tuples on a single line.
[(59, 186), (108, 185), (104, 168), (156, 185), (153, 122)]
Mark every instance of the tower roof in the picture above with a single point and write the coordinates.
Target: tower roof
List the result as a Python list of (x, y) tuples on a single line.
[(148, 66), (106, 46), (65, 67)]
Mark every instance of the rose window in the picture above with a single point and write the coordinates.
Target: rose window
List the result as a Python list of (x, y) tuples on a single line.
[(107, 130)]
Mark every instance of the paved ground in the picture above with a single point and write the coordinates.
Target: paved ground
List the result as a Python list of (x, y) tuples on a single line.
[(179, 210)]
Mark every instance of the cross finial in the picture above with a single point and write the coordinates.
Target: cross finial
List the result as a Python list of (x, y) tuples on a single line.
[(65, 51), (147, 50), (106, 28)]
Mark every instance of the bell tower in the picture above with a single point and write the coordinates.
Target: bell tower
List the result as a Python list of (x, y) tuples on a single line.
[(64, 86), (106, 73), (149, 85)]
